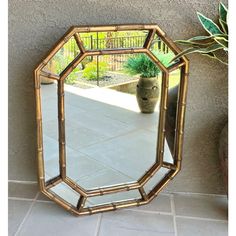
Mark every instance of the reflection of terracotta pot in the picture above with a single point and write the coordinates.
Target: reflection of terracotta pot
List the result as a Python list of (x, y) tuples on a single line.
[(147, 94)]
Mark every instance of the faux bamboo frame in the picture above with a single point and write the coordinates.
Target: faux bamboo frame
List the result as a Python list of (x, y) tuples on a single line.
[(174, 168)]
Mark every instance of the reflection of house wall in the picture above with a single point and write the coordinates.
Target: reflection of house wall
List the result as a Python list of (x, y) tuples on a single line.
[(35, 25)]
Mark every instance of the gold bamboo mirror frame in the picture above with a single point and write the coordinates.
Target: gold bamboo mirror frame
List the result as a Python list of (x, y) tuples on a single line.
[(49, 184)]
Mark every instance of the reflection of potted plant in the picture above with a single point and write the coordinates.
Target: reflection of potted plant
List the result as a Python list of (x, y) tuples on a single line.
[(147, 91), (215, 46)]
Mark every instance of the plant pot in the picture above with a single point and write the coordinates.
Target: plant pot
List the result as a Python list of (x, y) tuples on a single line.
[(147, 94)]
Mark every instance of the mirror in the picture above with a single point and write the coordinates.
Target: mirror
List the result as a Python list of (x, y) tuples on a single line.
[(107, 110)]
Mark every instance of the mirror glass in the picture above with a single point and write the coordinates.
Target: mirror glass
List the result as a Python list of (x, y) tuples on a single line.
[(109, 141), (171, 114), (111, 40), (63, 57)]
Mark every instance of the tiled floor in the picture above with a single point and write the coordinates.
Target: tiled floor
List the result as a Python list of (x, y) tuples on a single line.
[(169, 214), (98, 130)]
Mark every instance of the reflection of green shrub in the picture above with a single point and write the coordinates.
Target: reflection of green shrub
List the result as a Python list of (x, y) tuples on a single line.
[(90, 71), (72, 77), (143, 65)]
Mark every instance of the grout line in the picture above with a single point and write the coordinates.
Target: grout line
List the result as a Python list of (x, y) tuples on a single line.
[(194, 193), (174, 215), (98, 224), (23, 181), (27, 214), (45, 201), (202, 218), (108, 139), (149, 212), (21, 199)]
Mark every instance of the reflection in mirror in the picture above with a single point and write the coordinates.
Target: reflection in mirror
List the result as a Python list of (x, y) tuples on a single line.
[(67, 193), (105, 131), (108, 140), (161, 50), (63, 57), (111, 40), (50, 127), (173, 90), (159, 175), (112, 198)]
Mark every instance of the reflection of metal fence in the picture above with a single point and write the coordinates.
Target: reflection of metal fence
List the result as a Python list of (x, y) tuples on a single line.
[(118, 42), (115, 62)]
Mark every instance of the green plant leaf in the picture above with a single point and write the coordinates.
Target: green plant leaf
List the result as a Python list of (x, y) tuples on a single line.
[(184, 52), (213, 56), (223, 11), (222, 41), (209, 25), (200, 38), (195, 43), (224, 26), (209, 49)]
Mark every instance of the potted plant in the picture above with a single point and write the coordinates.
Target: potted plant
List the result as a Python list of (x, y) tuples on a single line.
[(215, 46), (147, 90)]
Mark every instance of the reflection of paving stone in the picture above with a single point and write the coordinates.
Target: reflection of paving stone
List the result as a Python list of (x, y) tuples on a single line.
[(131, 154), (104, 177)]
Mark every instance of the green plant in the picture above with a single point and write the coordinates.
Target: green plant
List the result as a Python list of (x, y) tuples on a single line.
[(216, 41), (90, 71), (72, 77), (143, 65)]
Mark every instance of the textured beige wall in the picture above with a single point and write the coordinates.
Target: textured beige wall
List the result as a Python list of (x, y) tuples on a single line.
[(34, 25)]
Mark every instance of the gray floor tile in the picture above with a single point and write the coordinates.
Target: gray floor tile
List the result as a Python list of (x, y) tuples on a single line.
[(49, 219), (42, 197), (214, 207), (187, 227), (16, 212), (131, 223), (159, 204), (22, 190)]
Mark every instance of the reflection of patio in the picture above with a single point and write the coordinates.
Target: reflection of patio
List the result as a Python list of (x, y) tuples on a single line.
[(108, 140)]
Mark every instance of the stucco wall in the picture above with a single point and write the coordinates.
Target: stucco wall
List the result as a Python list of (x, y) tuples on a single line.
[(34, 26)]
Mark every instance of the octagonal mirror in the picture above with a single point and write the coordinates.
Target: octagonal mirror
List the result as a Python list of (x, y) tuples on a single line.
[(110, 105)]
